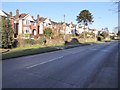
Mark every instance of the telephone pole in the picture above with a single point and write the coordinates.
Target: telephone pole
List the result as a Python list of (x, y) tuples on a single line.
[(64, 18), (64, 25)]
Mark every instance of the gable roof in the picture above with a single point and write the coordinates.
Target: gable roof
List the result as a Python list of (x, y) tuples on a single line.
[(47, 20), (42, 19), (27, 16), (3, 13), (22, 15)]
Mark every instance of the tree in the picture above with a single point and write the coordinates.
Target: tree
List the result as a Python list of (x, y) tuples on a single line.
[(0, 32), (7, 33), (85, 17), (104, 34), (48, 32)]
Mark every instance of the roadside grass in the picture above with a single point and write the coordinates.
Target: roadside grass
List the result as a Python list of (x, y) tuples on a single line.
[(97, 42), (38, 49), (26, 52)]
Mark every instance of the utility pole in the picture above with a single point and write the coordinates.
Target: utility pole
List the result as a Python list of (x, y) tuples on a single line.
[(64, 29), (64, 18)]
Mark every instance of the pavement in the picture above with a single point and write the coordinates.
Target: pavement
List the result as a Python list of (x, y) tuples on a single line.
[(91, 66)]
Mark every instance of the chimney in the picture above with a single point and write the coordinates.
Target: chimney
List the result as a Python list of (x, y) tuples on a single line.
[(10, 14), (17, 14), (32, 17), (38, 17)]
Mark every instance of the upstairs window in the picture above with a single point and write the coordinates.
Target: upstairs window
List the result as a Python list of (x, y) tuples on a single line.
[(27, 22), (34, 24)]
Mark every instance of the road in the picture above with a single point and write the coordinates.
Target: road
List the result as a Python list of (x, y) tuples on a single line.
[(91, 66)]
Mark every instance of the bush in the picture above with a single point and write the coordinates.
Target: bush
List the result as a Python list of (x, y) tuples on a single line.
[(73, 41), (27, 35), (21, 42), (100, 38), (29, 41), (15, 44), (87, 35), (48, 32), (24, 42), (40, 40), (104, 34)]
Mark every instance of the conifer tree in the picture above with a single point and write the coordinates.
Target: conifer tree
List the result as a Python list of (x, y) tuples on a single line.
[(7, 33)]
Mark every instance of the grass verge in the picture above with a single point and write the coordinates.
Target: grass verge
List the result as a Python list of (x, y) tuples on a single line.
[(19, 52), (26, 52)]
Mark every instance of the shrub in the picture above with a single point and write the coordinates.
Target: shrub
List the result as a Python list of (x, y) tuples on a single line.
[(48, 32), (40, 40), (27, 35), (73, 41), (30, 41), (23, 42), (104, 34), (87, 35), (15, 44), (100, 38)]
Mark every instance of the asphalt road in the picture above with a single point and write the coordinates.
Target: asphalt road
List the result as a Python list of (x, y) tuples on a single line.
[(91, 66)]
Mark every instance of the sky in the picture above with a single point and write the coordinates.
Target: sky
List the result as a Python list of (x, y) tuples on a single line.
[(104, 13)]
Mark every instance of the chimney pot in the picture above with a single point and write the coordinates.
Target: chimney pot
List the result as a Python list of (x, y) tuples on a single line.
[(38, 17), (32, 17), (10, 14), (17, 14)]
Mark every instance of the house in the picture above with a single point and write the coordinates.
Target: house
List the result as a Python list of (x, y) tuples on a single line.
[(95, 31), (24, 24), (43, 23), (3, 13), (70, 29), (9, 16), (79, 28), (56, 26)]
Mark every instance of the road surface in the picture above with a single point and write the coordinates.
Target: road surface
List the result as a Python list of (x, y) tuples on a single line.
[(91, 66)]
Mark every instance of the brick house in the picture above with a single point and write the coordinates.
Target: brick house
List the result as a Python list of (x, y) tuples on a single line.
[(25, 24), (44, 23), (9, 16)]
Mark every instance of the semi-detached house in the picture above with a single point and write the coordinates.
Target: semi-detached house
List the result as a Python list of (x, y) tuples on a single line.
[(25, 24)]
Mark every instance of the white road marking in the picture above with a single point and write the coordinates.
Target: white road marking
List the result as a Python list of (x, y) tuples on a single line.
[(44, 62), (105, 50), (93, 49), (57, 58)]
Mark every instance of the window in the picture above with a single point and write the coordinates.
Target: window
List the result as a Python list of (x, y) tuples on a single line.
[(26, 30), (34, 24), (27, 22)]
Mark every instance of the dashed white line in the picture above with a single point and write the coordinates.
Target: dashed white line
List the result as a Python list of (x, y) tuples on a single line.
[(105, 50), (55, 59), (44, 62), (93, 49)]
